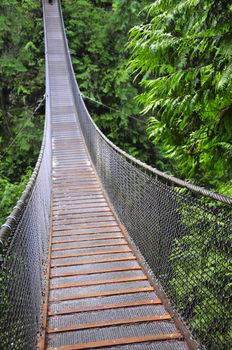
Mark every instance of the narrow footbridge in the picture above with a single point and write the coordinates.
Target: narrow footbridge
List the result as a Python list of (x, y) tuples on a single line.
[(103, 251)]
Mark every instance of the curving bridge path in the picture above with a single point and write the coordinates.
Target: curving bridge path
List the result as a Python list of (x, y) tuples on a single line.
[(99, 295), (89, 266)]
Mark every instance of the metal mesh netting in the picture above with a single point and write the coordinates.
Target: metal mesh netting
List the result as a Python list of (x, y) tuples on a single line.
[(22, 271), (23, 266), (89, 335), (184, 239), (23, 254), (181, 230)]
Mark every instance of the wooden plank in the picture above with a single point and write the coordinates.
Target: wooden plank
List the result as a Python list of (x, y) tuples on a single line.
[(88, 239), (106, 307), (64, 192), (97, 245), (78, 169), (86, 233), (94, 190), (74, 184), (80, 165), (78, 221), (111, 323), (89, 262), (71, 203), (57, 184), (92, 272), (81, 173), (89, 214), (74, 189), (74, 206), (76, 227), (80, 202), (85, 184), (77, 216), (84, 212), (76, 194), (89, 174), (99, 282), (121, 341), (102, 294), (91, 253)]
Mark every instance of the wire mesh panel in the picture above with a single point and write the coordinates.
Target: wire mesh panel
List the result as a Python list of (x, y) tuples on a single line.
[(183, 237), (181, 230), (23, 268), (23, 254)]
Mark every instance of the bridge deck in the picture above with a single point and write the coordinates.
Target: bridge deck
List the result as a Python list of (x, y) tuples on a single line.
[(98, 295)]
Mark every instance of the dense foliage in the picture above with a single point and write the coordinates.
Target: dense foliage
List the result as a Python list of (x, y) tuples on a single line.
[(22, 85), (98, 33), (183, 56), (201, 273)]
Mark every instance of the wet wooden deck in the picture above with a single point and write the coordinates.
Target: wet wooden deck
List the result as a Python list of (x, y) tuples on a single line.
[(99, 296)]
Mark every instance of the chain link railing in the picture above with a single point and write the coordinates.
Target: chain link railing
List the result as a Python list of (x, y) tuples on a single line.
[(23, 253), (181, 230)]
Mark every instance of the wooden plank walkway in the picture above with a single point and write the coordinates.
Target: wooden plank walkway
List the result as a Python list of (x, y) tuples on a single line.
[(99, 296)]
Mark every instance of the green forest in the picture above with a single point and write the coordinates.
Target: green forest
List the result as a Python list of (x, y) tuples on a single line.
[(156, 77)]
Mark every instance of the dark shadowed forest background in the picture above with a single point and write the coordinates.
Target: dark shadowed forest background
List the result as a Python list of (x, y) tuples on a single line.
[(163, 67)]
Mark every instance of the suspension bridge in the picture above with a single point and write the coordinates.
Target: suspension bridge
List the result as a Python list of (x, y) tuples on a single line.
[(103, 251)]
